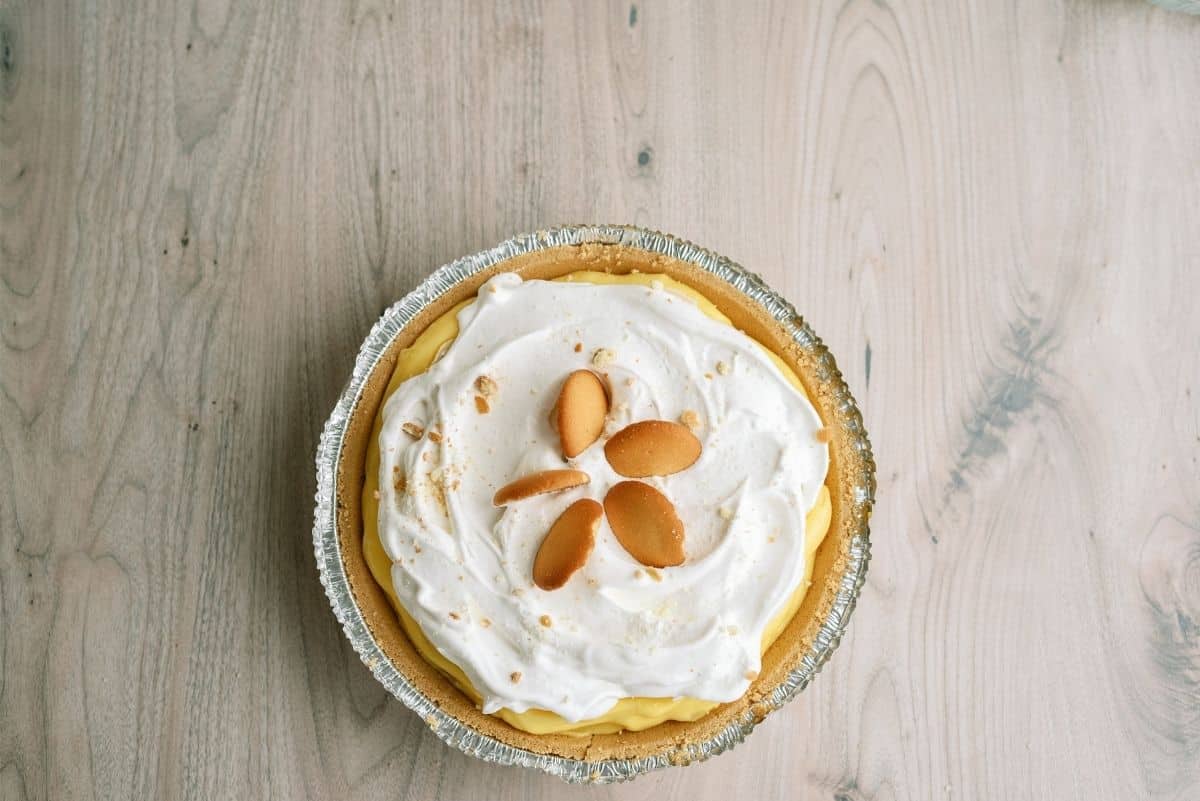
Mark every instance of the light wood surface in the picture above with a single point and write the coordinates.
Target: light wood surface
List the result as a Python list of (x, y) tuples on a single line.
[(988, 209)]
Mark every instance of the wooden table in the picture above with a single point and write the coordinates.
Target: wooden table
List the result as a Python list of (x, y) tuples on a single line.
[(989, 210)]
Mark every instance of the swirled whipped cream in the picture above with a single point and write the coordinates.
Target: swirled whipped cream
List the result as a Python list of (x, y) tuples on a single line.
[(462, 568)]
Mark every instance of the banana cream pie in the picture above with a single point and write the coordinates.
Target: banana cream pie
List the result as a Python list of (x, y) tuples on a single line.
[(594, 490)]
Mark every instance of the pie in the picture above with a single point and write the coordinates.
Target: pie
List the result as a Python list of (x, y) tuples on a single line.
[(589, 503)]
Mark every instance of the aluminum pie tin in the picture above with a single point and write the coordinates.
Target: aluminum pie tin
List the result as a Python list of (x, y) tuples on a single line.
[(845, 416)]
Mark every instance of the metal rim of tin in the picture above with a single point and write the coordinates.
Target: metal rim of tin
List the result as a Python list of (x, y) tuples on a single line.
[(328, 550)]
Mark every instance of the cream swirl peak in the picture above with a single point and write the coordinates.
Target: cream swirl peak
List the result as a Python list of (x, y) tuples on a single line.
[(462, 567)]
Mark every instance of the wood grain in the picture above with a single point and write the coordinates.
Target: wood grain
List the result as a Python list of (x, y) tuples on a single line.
[(987, 209)]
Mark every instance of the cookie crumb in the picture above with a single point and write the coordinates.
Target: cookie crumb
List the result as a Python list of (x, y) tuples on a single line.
[(578, 347), (709, 376), (375, 494), (515, 676), (481, 405), (603, 357), (485, 386), (546, 621), (690, 418), (455, 616), (413, 430), (725, 512), (723, 368), (485, 623), (435, 437), (653, 573)]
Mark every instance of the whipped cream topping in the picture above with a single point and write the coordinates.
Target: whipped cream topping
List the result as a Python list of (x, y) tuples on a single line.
[(462, 568)]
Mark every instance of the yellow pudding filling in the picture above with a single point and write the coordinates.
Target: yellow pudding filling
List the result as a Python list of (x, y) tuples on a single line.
[(633, 714)]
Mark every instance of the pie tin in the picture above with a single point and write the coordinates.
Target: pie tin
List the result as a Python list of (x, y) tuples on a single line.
[(328, 550)]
